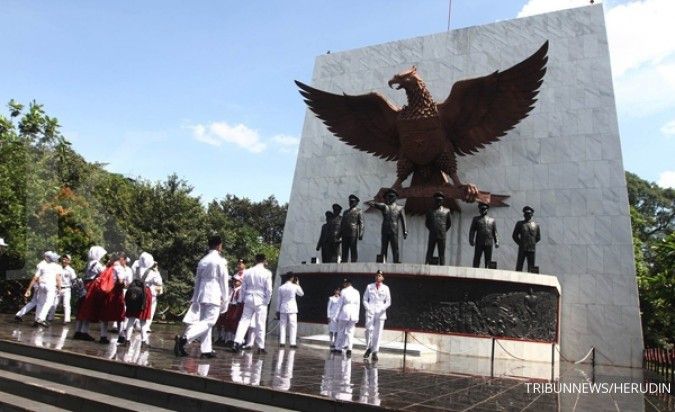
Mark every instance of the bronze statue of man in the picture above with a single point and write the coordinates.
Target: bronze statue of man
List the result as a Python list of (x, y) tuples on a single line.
[(324, 239), (351, 230), (482, 235), (526, 234), (335, 238), (392, 214), (438, 222)]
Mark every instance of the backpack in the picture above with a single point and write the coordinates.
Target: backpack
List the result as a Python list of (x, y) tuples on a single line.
[(135, 296), (106, 281)]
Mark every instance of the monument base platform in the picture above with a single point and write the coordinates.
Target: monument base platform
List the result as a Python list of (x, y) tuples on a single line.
[(447, 309)]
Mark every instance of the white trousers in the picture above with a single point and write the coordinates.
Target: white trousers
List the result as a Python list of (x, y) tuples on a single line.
[(45, 301), (208, 316), (63, 299), (374, 327), (153, 307), (345, 334), (259, 313), (28, 306), (130, 323), (288, 321)]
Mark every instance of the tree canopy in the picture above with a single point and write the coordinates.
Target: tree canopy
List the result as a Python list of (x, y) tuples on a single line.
[(52, 199), (652, 211)]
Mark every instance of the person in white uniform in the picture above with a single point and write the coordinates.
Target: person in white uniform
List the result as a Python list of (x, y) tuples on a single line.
[(331, 312), (32, 303), (209, 300), (48, 279), (376, 301), (153, 280), (256, 290), (348, 316), (128, 278), (68, 275), (287, 309)]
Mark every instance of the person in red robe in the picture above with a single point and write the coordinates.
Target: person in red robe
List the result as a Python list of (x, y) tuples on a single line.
[(112, 309), (86, 312)]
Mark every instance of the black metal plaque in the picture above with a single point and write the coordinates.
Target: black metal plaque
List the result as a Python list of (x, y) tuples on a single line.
[(448, 305)]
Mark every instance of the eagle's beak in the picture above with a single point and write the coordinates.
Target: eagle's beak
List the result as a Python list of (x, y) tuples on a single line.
[(393, 81)]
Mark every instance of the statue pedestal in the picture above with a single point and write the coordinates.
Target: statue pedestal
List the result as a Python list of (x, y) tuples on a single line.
[(450, 309)]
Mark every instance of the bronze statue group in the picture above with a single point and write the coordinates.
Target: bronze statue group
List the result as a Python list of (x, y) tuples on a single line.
[(344, 230)]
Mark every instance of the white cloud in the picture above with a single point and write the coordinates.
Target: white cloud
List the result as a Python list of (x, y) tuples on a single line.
[(668, 129), (667, 179), (217, 133), (286, 140), (286, 143), (640, 34), (641, 47)]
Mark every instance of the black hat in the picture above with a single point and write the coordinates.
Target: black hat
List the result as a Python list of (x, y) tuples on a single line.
[(483, 205), (336, 206), (439, 194), (353, 196), (528, 208), (287, 275), (391, 190)]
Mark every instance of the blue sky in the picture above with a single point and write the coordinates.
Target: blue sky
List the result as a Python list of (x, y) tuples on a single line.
[(205, 89)]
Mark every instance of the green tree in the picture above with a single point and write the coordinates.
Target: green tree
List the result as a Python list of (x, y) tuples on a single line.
[(53, 199), (652, 210)]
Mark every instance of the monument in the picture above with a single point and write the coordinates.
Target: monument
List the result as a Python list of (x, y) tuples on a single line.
[(564, 160)]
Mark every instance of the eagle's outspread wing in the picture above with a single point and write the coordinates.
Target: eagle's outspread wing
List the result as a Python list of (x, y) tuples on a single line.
[(366, 121), (479, 111)]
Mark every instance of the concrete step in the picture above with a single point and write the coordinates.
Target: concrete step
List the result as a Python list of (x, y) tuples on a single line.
[(134, 390), (396, 346), (13, 403), (66, 396), (104, 376)]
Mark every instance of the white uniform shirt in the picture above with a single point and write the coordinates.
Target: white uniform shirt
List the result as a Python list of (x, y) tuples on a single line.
[(119, 272), (153, 280), (256, 288), (286, 302), (210, 283), (68, 275), (333, 307), (47, 274), (350, 304), (128, 276), (377, 301)]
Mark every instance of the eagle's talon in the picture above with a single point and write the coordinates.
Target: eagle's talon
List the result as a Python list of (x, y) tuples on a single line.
[(470, 193)]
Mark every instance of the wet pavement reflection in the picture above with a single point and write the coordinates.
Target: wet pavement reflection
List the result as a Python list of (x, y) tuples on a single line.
[(417, 385)]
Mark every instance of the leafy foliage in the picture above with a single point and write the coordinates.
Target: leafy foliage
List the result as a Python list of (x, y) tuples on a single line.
[(652, 210), (52, 199)]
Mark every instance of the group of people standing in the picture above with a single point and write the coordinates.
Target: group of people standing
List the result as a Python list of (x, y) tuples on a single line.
[(112, 293), (238, 311), (213, 303), (343, 315)]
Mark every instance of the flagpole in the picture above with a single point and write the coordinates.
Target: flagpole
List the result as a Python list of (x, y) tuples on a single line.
[(449, 13)]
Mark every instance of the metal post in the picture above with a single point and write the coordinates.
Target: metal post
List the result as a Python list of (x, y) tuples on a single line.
[(593, 365), (492, 359), (405, 346), (552, 362)]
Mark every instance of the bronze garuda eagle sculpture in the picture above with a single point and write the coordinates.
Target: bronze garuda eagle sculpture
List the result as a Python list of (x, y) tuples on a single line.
[(424, 137)]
